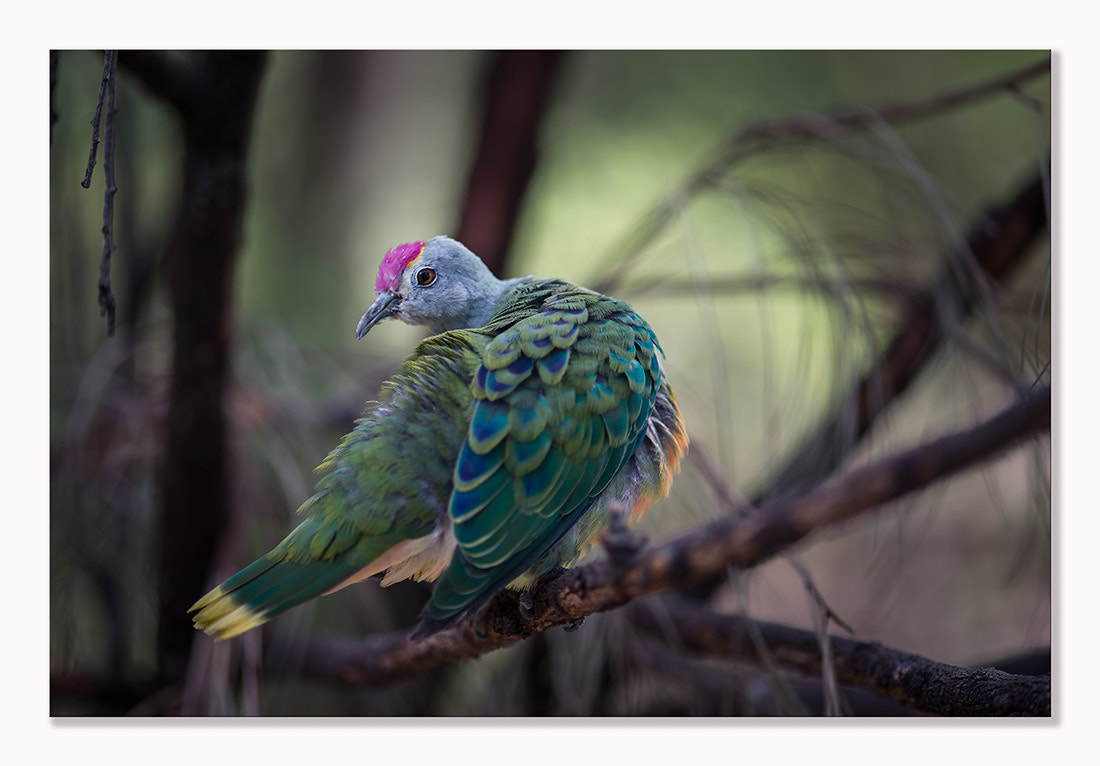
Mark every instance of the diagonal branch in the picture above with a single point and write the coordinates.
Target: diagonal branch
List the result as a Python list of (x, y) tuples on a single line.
[(704, 552), (998, 243), (794, 129), (917, 681)]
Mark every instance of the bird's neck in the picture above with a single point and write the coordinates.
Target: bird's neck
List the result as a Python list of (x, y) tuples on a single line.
[(495, 296), (477, 307)]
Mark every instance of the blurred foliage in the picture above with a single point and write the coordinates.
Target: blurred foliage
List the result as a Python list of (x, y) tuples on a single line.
[(357, 151)]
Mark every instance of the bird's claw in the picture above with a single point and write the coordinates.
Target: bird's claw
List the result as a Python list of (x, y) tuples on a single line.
[(527, 605), (574, 626)]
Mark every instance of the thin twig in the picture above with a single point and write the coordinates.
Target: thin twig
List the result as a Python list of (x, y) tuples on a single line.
[(106, 298), (815, 595), (688, 558), (53, 92), (822, 615), (108, 68), (671, 285)]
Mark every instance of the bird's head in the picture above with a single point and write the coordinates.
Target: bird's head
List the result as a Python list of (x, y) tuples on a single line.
[(438, 284)]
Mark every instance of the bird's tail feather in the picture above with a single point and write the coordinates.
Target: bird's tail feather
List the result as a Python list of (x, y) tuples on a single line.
[(262, 590)]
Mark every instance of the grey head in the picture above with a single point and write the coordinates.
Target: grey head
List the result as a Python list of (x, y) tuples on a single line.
[(438, 284)]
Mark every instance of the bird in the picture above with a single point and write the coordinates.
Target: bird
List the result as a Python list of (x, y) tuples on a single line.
[(495, 455)]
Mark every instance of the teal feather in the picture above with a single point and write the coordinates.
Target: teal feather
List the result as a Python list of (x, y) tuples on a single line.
[(488, 427), (464, 503), (537, 486), (552, 366), (617, 422), (522, 457), (473, 469), (527, 422)]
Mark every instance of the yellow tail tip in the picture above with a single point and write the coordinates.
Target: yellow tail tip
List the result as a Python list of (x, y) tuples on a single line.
[(209, 598), (222, 617)]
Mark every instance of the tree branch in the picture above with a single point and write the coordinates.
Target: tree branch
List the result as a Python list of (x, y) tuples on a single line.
[(107, 93), (997, 243), (794, 129), (106, 298), (704, 552), (53, 92), (917, 681), (198, 268), (108, 74)]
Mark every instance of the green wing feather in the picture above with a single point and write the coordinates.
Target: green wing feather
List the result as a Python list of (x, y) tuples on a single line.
[(388, 482), (561, 401)]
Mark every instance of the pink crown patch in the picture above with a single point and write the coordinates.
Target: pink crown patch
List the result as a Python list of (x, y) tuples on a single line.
[(394, 265)]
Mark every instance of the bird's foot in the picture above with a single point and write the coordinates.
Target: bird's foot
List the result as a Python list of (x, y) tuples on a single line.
[(527, 605), (574, 626), (620, 543)]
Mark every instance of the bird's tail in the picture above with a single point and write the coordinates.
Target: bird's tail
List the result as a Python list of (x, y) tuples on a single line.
[(263, 589)]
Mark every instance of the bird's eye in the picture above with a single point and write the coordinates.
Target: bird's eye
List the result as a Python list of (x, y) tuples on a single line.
[(425, 277)]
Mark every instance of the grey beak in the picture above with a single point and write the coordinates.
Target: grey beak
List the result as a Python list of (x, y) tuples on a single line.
[(385, 305)]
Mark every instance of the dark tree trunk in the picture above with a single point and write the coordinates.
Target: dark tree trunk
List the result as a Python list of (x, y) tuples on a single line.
[(516, 96), (215, 95)]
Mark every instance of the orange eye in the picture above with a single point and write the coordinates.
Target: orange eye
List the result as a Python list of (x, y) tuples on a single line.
[(425, 277)]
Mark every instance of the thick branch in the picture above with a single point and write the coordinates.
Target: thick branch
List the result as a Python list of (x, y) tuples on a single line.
[(707, 551), (199, 267), (924, 684), (517, 94)]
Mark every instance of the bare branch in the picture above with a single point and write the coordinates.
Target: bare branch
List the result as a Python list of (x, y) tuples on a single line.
[(108, 69), (998, 243), (53, 92), (924, 684), (106, 298), (704, 552), (674, 285), (794, 129)]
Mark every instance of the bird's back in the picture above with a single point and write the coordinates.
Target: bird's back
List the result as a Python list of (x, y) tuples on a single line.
[(561, 423)]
